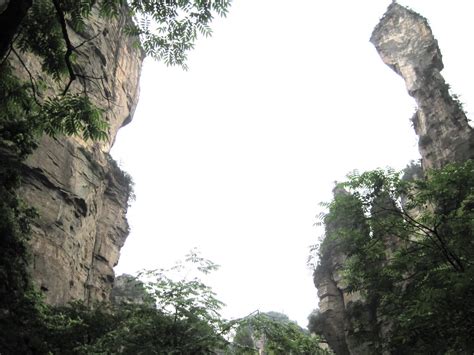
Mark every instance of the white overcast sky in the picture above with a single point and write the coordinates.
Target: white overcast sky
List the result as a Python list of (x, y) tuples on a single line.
[(234, 155)]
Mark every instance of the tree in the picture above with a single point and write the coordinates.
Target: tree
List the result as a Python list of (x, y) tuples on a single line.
[(167, 28), (411, 254), (180, 316), (274, 333)]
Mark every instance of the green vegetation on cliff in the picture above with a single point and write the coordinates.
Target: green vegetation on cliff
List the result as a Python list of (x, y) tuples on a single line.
[(408, 246)]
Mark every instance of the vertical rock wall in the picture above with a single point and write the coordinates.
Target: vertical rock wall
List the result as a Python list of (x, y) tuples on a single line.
[(78, 190)]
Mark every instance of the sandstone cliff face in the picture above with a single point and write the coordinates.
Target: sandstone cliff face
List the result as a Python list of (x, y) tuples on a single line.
[(405, 43), (78, 190)]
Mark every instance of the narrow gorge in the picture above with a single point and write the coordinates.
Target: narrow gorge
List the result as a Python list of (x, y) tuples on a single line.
[(394, 268)]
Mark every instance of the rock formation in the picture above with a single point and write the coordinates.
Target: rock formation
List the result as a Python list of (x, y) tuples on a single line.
[(129, 290), (405, 43), (334, 300), (332, 305), (77, 189)]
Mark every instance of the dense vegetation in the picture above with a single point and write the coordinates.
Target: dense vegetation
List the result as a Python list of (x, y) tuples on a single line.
[(409, 248), (274, 333), (168, 311)]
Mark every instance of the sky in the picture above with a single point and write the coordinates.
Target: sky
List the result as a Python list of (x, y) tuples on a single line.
[(234, 156)]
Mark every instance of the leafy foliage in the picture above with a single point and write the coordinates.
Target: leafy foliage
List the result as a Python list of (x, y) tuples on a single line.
[(41, 34), (17, 132), (315, 322), (72, 114), (274, 333), (410, 251), (23, 119), (168, 29), (179, 314), (17, 140), (182, 318)]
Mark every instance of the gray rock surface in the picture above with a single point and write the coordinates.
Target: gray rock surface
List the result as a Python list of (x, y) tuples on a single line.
[(78, 190)]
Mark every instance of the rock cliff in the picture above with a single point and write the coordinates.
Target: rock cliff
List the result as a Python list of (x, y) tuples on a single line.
[(77, 189), (406, 44)]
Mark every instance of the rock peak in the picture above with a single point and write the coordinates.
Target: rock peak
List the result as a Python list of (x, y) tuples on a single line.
[(405, 42)]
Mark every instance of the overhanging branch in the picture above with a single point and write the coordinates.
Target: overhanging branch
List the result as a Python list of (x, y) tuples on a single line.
[(69, 47)]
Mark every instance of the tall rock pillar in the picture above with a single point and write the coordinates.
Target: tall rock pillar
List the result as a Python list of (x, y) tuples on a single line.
[(406, 44)]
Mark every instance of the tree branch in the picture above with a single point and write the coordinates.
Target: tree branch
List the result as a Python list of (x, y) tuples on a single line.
[(431, 233), (32, 80), (69, 47)]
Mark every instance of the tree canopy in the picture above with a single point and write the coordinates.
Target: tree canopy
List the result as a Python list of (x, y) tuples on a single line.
[(274, 333), (177, 313)]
